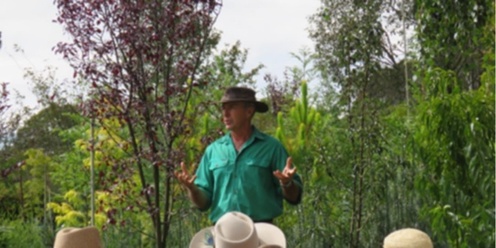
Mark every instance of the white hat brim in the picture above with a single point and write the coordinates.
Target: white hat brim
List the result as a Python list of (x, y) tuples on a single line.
[(198, 241), (268, 234)]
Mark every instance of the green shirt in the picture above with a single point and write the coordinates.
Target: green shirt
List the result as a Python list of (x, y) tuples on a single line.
[(243, 181)]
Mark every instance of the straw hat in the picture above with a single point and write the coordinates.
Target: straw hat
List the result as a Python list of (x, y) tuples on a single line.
[(242, 94), (87, 237), (237, 230), (407, 238)]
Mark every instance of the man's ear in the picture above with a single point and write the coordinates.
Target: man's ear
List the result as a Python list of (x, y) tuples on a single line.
[(251, 111)]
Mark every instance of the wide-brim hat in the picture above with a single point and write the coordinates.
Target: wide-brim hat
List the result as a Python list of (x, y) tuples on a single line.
[(236, 230), (243, 94), (408, 238), (69, 237)]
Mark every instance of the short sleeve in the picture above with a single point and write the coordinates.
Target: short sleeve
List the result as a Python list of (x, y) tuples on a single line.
[(204, 179)]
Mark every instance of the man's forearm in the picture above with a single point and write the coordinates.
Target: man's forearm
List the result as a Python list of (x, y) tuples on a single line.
[(197, 197), (291, 192)]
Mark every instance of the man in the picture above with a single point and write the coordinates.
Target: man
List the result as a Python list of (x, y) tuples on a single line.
[(245, 170)]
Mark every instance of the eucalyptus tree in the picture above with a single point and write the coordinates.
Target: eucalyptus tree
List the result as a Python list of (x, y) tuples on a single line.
[(4, 106), (7, 166), (454, 125), (10, 118), (425, 148), (352, 35), (11, 159), (360, 49), (142, 60), (449, 37)]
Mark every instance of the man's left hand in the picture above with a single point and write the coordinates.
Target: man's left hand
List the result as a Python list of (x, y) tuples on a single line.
[(286, 176)]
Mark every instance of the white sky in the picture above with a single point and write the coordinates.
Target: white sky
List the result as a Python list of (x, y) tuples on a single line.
[(269, 29)]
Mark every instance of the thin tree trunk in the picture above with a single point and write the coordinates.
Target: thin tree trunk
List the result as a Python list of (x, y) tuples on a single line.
[(21, 193)]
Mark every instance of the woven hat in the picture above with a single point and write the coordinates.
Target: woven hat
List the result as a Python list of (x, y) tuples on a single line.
[(407, 238), (242, 94), (87, 237), (237, 230)]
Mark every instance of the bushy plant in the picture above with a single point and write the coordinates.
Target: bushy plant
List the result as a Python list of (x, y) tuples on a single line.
[(21, 234)]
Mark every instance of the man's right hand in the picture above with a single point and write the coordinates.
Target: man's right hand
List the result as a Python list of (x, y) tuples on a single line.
[(194, 193), (184, 177)]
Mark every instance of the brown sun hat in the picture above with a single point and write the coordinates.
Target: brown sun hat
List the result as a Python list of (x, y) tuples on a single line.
[(86, 237), (243, 94), (408, 238)]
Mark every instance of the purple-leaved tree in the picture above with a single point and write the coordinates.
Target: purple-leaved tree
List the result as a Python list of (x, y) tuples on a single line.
[(141, 60)]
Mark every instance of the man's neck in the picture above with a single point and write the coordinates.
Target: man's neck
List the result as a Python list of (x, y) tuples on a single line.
[(242, 135)]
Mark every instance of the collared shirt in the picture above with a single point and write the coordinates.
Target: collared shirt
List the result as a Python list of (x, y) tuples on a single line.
[(244, 181)]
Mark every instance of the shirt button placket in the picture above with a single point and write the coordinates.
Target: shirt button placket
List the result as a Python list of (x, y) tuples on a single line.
[(235, 176)]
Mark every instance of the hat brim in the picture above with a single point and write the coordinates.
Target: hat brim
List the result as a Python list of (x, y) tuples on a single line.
[(260, 107), (268, 234), (198, 241)]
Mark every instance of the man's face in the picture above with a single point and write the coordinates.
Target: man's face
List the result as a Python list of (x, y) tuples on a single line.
[(236, 115)]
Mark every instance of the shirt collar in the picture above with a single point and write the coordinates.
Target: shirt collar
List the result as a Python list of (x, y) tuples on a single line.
[(255, 134)]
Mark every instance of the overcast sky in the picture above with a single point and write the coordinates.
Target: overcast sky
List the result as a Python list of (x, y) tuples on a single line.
[(269, 29)]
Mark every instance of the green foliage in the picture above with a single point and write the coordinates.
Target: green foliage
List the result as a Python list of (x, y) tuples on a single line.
[(298, 131), (66, 215), (8, 121), (26, 189), (18, 233), (451, 36), (353, 41), (36, 186), (226, 69), (454, 133), (41, 130), (454, 127), (306, 120)]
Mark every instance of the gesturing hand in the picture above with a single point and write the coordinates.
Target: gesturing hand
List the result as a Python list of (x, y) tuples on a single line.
[(287, 174), (184, 177)]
